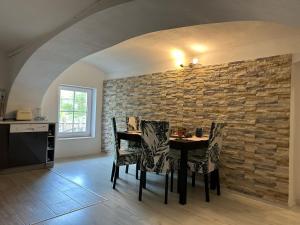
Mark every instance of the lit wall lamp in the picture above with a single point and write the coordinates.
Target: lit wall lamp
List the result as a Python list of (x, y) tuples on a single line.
[(191, 64)]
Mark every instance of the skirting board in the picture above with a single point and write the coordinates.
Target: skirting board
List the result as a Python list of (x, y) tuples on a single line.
[(23, 168)]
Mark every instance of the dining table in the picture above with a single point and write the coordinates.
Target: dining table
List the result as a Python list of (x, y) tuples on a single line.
[(184, 145)]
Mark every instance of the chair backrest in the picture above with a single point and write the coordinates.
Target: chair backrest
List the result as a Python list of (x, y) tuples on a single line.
[(133, 123), (214, 147), (115, 136), (155, 146)]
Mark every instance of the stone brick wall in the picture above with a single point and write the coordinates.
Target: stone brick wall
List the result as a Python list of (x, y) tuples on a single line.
[(252, 97)]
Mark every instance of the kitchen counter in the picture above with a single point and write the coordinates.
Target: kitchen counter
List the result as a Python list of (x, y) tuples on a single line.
[(25, 122)]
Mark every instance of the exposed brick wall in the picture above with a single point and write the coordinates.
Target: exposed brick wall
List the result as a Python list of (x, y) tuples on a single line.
[(252, 97)]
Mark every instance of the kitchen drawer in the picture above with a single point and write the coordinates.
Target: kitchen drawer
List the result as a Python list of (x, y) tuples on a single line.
[(28, 128)]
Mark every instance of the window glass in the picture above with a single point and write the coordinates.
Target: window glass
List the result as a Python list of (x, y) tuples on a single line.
[(75, 110)]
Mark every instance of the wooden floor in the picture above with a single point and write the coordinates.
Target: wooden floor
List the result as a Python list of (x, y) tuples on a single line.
[(37, 195), (122, 206)]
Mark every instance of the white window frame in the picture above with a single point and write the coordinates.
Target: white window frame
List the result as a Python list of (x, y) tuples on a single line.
[(90, 109)]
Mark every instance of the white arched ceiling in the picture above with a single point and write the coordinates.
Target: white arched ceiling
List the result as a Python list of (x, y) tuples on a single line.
[(19, 24), (210, 43), (113, 25)]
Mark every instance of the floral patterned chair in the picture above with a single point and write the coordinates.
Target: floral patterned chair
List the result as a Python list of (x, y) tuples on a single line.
[(207, 160), (121, 157), (133, 124), (155, 152)]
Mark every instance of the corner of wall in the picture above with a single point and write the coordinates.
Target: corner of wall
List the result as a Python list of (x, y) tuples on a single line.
[(73, 76), (294, 155), (291, 200)]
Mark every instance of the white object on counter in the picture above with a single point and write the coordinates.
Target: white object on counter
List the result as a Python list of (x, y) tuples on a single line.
[(24, 114)]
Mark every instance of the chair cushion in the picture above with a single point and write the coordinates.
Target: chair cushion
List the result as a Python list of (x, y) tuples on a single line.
[(127, 158), (134, 146)]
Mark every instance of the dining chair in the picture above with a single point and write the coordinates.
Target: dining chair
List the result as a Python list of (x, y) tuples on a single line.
[(207, 160), (122, 157), (133, 124), (155, 152)]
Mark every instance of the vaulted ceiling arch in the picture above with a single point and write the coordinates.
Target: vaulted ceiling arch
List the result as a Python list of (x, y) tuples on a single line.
[(33, 71)]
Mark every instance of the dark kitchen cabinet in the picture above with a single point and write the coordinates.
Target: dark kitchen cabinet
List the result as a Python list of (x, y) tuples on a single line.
[(4, 137), (24, 144)]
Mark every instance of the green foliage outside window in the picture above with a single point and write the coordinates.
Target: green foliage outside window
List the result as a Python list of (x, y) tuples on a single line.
[(73, 111)]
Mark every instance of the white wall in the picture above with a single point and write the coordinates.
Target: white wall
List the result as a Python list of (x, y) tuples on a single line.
[(4, 79), (102, 30), (79, 74), (295, 122)]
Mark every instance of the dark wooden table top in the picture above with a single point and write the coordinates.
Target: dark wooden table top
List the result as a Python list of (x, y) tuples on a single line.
[(175, 143)]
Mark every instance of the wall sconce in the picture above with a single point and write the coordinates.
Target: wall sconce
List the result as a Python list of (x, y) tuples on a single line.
[(191, 65), (195, 61), (179, 56)]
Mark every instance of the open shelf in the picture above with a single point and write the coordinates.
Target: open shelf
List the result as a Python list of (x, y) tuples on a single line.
[(51, 145)]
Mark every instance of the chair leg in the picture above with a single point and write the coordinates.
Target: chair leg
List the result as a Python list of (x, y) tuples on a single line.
[(137, 171), (115, 177), (218, 182), (144, 179), (127, 168), (117, 173), (213, 184), (206, 187), (172, 180), (141, 185), (166, 188), (178, 181), (113, 172), (193, 179)]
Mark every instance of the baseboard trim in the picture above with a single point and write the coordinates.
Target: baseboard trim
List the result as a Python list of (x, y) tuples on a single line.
[(254, 198), (19, 169)]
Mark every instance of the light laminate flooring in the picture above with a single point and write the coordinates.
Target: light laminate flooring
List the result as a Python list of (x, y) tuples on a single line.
[(123, 208), (37, 195)]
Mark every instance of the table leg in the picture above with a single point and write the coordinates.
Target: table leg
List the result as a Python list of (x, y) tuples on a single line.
[(183, 177), (178, 182)]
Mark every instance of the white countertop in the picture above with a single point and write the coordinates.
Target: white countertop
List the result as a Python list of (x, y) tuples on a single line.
[(25, 122)]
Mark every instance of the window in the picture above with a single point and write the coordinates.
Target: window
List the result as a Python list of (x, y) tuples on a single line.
[(75, 111)]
